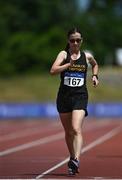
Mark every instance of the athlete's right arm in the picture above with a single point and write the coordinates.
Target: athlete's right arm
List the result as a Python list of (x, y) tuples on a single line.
[(57, 66)]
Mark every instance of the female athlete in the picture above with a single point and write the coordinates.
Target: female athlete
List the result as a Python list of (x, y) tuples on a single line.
[(72, 97)]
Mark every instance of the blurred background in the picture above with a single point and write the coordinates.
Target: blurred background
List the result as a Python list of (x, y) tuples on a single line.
[(32, 32)]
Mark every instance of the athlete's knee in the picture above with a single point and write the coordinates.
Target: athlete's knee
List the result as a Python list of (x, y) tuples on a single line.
[(73, 131), (69, 133), (76, 131)]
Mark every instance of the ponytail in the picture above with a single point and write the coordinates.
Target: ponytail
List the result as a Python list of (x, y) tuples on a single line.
[(67, 48)]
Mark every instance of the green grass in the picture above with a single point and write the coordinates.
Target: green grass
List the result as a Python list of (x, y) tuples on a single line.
[(43, 87), (28, 88), (110, 86)]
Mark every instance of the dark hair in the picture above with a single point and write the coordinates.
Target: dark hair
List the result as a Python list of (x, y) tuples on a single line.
[(72, 31)]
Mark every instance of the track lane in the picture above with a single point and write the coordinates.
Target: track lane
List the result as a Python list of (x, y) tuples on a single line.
[(40, 158), (27, 134), (89, 147)]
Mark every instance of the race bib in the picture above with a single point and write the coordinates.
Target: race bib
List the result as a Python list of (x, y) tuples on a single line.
[(74, 79)]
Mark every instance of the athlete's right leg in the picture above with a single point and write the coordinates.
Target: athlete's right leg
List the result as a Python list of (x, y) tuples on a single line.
[(67, 122), (77, 122), (66, 119)]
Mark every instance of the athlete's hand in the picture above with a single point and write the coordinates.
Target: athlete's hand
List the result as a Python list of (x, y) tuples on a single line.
[(72, 60), (95, 81)]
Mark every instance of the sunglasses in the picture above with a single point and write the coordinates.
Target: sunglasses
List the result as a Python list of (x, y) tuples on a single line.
[(75, 40)]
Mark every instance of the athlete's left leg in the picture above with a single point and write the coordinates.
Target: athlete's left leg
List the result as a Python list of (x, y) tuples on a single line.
[(77, 122)]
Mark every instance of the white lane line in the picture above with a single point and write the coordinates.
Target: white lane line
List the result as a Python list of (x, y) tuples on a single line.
[(93, 144), (44, 140), (38, 142), (95, 178), (16, 135), (95, 125), (26, 132), (74, 179), (36, 130)]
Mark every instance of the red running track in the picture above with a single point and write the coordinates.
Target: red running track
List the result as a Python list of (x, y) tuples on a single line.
[(35, 149)]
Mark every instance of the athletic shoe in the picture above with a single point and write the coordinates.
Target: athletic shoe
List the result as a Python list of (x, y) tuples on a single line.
[(73, 166)]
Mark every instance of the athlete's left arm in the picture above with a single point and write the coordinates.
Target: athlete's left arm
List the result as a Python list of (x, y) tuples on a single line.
[(95, 68)]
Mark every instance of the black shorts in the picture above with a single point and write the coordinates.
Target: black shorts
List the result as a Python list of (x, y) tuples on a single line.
[(67, 102)]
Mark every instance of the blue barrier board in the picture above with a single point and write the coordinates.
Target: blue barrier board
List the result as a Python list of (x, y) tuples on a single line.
[(48, 110)]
